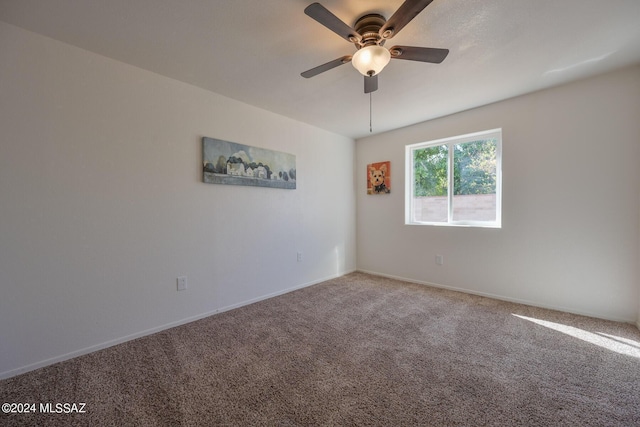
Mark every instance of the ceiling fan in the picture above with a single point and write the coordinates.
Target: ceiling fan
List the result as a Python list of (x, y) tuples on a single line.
[(369, 34)]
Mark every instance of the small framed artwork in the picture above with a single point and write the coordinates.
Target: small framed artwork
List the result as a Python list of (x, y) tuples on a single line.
[(379, 178)]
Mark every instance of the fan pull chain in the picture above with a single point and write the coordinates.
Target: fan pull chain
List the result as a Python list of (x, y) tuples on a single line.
[(370, 127)]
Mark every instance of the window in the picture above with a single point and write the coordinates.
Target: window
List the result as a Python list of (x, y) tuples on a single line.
[(455, 181)]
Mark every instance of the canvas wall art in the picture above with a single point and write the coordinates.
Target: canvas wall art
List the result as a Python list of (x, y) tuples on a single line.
[(231, 163), (379, 178)]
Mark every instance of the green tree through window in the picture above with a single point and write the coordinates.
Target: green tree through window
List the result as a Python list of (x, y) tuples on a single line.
[(430, 173)]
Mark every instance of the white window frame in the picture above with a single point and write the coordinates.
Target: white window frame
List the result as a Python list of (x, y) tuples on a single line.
[(450, 142)]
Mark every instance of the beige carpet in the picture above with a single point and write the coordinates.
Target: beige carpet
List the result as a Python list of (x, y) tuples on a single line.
[(357, 350)]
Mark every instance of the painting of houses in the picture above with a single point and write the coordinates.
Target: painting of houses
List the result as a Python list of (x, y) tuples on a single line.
[(225, 162)]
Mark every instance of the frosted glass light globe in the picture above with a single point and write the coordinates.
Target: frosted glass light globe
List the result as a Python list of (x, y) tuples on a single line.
[(370, 60)]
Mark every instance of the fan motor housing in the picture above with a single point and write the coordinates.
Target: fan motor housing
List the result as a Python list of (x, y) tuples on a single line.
[(368, 26)]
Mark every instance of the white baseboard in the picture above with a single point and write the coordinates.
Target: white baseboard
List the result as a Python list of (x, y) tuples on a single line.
[(111, 343), (504, 298)]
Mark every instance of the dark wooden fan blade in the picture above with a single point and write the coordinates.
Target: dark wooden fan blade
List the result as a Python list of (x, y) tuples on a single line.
[(423, 54), (370, 83), (404, 15), (332, 22), (325, 67)]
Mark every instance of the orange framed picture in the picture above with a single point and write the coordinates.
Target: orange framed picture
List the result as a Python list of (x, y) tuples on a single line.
[(379, 178)]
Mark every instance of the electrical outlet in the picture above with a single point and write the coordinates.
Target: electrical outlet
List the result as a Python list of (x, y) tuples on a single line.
[(299, 257), (439, 260), (182, 283)]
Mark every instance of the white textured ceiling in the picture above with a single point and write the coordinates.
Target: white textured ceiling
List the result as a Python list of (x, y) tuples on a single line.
[(254, 51)]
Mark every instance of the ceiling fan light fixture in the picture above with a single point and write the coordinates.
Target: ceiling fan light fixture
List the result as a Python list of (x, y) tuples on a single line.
[(370, 60)]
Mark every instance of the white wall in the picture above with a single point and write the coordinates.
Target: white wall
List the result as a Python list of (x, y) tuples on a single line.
[(103, 205), (571, 202)]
